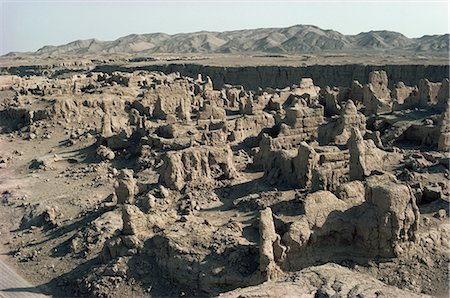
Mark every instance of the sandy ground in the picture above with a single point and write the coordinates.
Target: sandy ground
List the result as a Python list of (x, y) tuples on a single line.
[(11, 283), (236, 59)]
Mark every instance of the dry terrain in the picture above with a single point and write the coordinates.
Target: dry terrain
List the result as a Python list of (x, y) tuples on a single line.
[(136, 183)]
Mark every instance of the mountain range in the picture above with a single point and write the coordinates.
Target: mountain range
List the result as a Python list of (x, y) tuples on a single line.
[(291, 40)]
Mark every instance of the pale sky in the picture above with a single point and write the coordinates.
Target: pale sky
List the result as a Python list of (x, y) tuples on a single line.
[(27, 25)]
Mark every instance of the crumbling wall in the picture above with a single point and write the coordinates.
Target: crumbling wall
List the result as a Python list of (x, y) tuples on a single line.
[(365, 157), (339, 130), (196, 164), (331, 228), (376, 94), (250, 126)]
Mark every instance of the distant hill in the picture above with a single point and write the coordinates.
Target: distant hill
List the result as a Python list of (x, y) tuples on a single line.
[(292, 40)]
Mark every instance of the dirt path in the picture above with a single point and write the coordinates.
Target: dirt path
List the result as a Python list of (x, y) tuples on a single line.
[(13, 285)]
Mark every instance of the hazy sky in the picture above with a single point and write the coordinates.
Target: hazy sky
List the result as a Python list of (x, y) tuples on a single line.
[(29, 25)]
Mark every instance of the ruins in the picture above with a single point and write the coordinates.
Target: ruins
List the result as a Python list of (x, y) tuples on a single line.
[(146, 183)]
